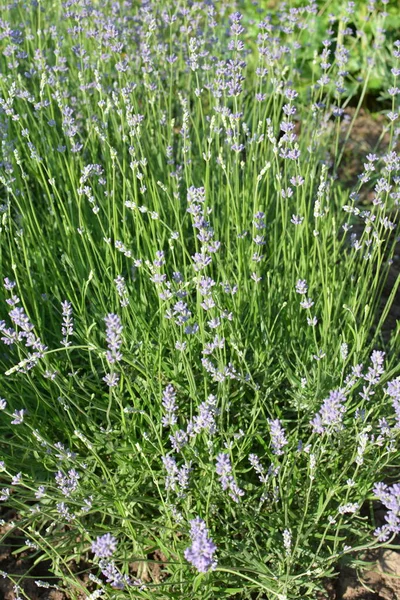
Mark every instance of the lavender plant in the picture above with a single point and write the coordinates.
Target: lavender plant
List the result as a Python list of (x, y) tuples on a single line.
[(197, 398)]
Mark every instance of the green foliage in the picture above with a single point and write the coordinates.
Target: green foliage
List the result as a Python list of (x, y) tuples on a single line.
[(106, 144)]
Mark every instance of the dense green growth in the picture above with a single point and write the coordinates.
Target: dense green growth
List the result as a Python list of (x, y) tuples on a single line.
[(192, 357)]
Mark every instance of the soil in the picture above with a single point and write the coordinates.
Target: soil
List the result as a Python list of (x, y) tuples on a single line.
[(380, 581), (366, 136)]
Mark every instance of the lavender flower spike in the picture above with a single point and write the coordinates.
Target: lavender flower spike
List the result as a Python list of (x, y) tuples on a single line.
[(200, 553), (301, 287), (170, 406), (393, 390), (331, 413), (224, 470), (114, 340), (67, 328), (18, 416), (278, 437), (104, 546), (390, 498)]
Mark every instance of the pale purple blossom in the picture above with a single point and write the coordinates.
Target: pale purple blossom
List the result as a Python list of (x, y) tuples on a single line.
[(18, 416), (111, 379), (113, 575), (301, 287), (297, 219), (113, 336), (8, 284), (376, 370), (177, 478), (390, 498), (201, 552), (104, 546), (224, 470), (170, 406), (349, 508), (307, 303), (67, 483), (330, 416), (393, 390), (278, 436)]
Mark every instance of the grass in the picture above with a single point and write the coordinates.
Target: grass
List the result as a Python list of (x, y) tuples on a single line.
[(170, 196)]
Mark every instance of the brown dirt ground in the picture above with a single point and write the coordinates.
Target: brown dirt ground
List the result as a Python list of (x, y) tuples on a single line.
[(380, 581)]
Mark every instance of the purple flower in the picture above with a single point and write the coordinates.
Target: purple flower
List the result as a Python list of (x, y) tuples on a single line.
[(67, 328), (331, 413), (20, 319), (113, 336), (113, 576), (8, 284), (278, 437), (67, 483), (301, 287), (376, 370), (206, 417), (200, 554), (178, 440), (224, 470), (18, 416), (393, 390), (177, 479), (297, 219), (307, 303), (63, 510), (390, 498), (104, 546), (170, 406), (349, 508), (111, 379)]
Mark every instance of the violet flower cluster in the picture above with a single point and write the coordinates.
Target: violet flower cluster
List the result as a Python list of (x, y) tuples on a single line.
[(330, 416), (67, 483), (23, 331), (278, 436), (201, 552), (114, 339), (114, 343), (203, 421), (67, 328), (390, 498), (177, 478), (104, 546), (224, 470), (113, 576), (393, 390), (170, 406)]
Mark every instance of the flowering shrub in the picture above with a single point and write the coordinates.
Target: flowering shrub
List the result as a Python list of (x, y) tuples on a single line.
[(197, 400)]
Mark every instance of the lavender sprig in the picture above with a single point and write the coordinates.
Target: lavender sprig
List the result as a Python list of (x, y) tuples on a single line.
[(330, 416), (201, 552), (104, 546), (114, 339), (278, 436), (67, 328)]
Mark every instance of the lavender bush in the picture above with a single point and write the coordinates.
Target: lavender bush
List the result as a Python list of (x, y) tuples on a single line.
[(197, 400)]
